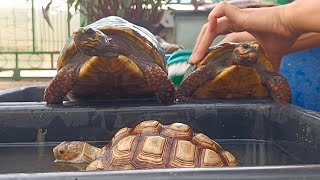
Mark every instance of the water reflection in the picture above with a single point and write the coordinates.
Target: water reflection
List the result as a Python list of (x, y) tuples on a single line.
[(26, 158)]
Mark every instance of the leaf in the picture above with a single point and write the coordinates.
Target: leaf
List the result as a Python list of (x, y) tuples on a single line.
[(150, 2), (70, 2), (96, 9), (45, 13), (69, 16), (120, 12), (146, 15), (83, 23), (77, 5), (126, 3)]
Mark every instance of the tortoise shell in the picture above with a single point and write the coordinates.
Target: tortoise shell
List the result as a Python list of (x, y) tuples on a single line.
[(234, 70), (148, 145), (111, 59), (115, 26), (153, 145)]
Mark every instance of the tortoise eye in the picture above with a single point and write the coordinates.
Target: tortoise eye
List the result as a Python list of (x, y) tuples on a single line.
[(61, 151), (245, 46)]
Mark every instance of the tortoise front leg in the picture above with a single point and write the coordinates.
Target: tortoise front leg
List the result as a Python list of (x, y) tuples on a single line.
[(160, 83), (60, 85), (277, 85), (194, 80)]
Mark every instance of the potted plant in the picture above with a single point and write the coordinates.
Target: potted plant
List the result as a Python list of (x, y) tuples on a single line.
[(146, 13)]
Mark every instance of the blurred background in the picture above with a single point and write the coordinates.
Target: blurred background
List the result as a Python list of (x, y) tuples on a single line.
[(33, 32)]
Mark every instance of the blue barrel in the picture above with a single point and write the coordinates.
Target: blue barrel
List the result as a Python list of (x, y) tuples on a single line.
[(302, 70)]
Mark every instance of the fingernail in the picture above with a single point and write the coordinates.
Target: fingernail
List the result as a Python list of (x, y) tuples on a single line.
[(191, 59), (191, 56), (195, 58)]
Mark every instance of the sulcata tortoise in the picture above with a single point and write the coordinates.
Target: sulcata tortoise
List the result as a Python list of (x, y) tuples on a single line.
[(111, 59), (148, 145), (234, 70)]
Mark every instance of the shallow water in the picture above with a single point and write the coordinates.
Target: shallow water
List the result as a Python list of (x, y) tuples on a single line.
[(29, 158)]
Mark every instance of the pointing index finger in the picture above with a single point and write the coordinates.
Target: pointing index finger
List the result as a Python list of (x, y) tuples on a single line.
[(215, 26), (203, 42)]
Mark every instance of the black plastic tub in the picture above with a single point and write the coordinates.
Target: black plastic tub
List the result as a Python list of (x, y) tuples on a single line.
[(23, 94), (271, 141)]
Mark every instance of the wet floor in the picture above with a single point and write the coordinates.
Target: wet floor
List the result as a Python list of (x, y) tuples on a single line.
[(29, 158)]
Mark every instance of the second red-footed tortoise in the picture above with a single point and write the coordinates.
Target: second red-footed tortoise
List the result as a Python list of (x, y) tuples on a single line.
[(111, 59), (146, 146), (234, 70)]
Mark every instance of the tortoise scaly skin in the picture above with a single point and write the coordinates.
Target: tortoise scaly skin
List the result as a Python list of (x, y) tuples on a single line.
[(148, 145), (60, 85), (111, 59), (234, 70)]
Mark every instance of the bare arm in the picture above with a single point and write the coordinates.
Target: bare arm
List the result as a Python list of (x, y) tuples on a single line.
[(304, 15), (275, 28), (305, 41)]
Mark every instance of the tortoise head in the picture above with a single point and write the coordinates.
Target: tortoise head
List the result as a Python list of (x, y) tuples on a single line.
[(75, 152), (246, 53), (93, 42)]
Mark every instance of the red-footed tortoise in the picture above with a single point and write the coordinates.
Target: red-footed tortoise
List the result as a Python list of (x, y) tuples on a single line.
[(234, 70), (111, 59), (146, 146)]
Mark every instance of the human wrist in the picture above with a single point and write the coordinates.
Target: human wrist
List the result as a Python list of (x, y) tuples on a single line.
[(285, 21), (303, 16), (290, 14)]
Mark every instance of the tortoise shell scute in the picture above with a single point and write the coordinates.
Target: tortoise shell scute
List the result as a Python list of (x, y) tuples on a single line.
[(168, 146), (178, 130), (147, 127)]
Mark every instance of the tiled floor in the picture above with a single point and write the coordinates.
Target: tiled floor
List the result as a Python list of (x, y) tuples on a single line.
[(7, 84)]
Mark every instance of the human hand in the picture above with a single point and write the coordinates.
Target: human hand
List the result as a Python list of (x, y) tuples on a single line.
[(237, 37), (271, 27)]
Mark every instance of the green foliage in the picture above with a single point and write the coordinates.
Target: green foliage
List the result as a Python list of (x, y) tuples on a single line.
[(147, 13)]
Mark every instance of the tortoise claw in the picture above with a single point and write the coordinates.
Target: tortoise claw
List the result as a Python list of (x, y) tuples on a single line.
[(183, 99)]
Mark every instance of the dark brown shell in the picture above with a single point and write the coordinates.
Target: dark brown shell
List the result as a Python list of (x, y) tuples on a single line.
[(214, 53), (153, 145), (232, 81), (114, 25), (124, 74)]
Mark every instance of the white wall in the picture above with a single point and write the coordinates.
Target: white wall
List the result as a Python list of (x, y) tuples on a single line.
[(188, 27)]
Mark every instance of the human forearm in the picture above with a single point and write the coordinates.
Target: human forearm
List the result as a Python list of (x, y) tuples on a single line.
[(277, 28), (303, 15), (306, 41), (237, 37)]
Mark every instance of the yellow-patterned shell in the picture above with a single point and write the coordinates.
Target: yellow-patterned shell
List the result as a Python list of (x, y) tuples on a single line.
[(234, 81), (153, 145)]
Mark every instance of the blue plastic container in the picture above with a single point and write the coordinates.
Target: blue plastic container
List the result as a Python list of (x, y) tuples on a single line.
[(302, 70)]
